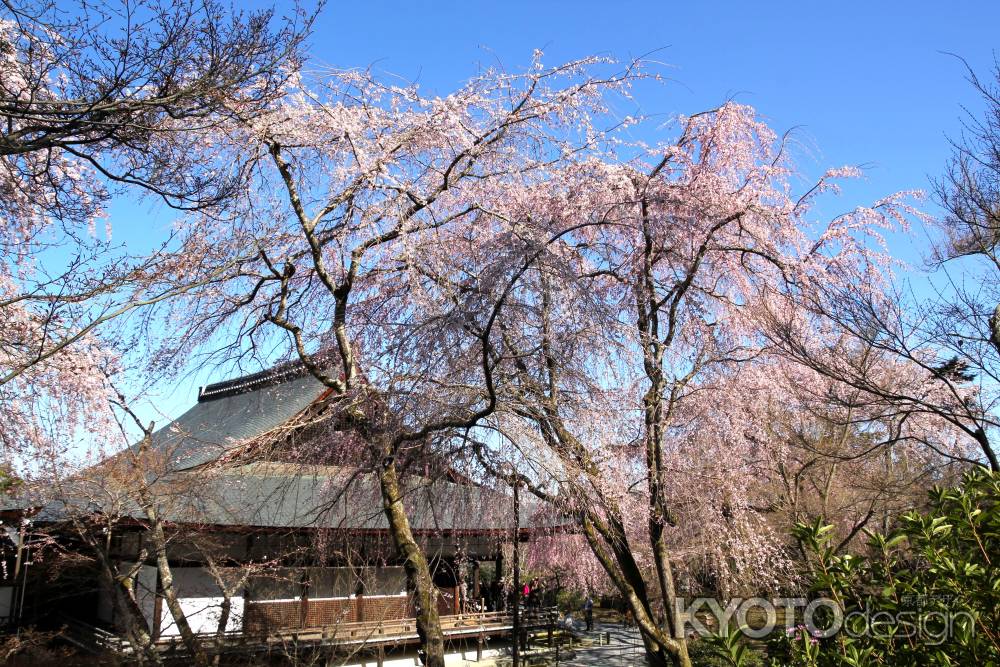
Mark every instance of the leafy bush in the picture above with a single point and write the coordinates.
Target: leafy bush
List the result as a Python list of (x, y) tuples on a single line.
[(927, 594), (728, 648), (569, 600)]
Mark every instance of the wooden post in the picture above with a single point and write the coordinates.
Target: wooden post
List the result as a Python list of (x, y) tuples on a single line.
[(18, 589), (157, 609), (475, 580), (500, 602), (479, 647), (516, 630), (380, 660)]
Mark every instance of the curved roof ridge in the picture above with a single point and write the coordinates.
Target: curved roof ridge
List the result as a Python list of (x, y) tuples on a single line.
[(275, 375)]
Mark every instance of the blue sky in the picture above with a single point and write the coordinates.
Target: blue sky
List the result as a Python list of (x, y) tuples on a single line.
[(864, 83)]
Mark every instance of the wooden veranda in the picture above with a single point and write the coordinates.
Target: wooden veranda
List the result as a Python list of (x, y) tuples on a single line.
[(368, 638)]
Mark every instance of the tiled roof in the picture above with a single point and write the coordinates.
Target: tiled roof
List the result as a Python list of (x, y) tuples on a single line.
[(284, 495), (229, 414), (292, 495)]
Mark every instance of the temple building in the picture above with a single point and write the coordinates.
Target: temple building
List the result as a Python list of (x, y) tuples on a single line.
[(274, 526)]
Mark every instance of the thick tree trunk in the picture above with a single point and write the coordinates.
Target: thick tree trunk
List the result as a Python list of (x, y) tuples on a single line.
[(159, 540), (679, 653), (659, 515), (661, 647), (623, 570), (655, 655), (415, 563), (220, 633), (135, 623), (120, 586)]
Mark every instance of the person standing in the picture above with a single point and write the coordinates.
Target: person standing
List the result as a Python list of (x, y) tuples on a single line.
[(588, 612), (533, 595)]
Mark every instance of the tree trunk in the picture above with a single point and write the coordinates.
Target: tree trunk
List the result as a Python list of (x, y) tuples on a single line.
[(415, 563), (984, 442), (627, 576), (191, 641), (655, 655), (225, 608), (120, 586), (135, 623), (220, 633)]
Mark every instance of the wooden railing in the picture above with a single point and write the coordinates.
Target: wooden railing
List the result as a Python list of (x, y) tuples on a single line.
[(450, 625), (376, 633)]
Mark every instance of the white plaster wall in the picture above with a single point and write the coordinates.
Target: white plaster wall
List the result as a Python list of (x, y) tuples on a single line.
[(201, 601), (466, 658), (145, 591), (203, 614)]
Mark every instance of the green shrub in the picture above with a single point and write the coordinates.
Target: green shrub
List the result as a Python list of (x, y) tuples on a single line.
[(728, 648), (931, 590), (569, 600)]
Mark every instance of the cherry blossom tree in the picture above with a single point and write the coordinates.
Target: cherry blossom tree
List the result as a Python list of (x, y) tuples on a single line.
[(838, 457), (79, 519), (98, 100), (641, 375), (505, 273), (383, 251), (897, 356), (491, 265), (927, 361)]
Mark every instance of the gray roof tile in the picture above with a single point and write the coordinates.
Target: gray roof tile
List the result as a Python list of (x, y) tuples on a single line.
[(212, 427)]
